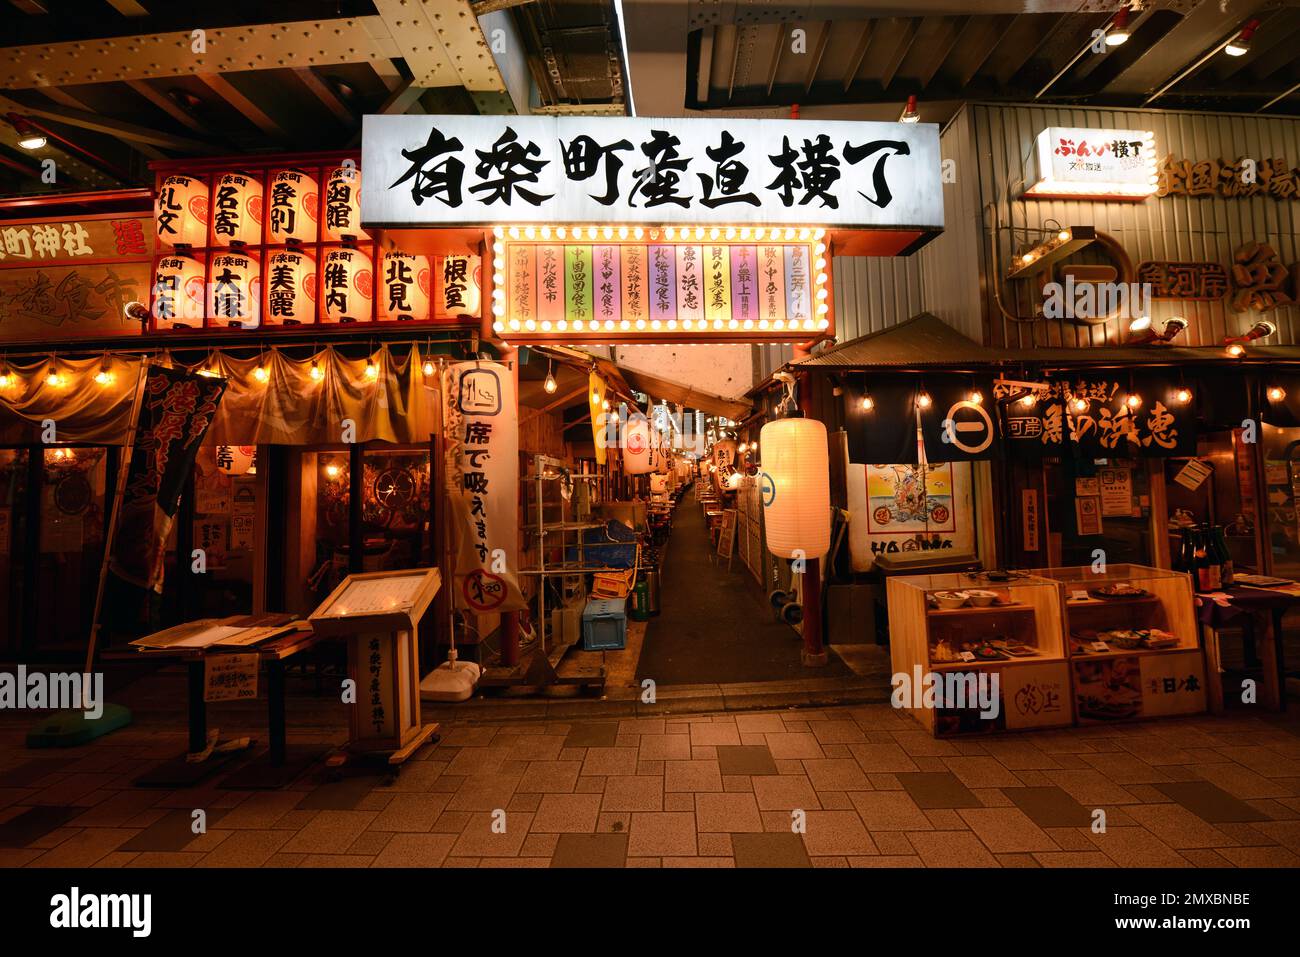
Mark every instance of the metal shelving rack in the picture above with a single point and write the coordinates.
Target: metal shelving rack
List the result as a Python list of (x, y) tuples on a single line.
[(551, 518)]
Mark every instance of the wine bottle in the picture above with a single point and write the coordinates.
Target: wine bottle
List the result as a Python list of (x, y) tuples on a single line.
[(1226, 573), (1186, 561)]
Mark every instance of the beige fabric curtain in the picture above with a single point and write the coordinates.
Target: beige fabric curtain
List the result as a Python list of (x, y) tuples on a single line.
[(291, 407)]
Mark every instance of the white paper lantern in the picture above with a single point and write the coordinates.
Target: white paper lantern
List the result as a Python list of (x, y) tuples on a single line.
[(638, 454), (236, 210), (292, 207), (178, 293), (405, 291), (235, 459), (347, 286), (290, 289), (343, 205), (181, 213), (460, 286), (234, 291), (795, 488)]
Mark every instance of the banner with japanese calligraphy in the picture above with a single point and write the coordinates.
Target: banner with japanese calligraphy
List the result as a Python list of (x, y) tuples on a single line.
[(424, 170), (620, 286), (958, 423), (175, 413), (72, 278), (1091, 415), (481, 424)]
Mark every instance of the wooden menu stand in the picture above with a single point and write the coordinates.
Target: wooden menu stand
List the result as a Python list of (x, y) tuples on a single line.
[(378, 614)]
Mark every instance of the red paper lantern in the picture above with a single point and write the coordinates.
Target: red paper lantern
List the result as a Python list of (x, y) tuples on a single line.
[(343, 205), (290, 289), (347, 287), (236, 210), (234, 291), (292, 207), (181, 213), (178, 293), (405, 291)]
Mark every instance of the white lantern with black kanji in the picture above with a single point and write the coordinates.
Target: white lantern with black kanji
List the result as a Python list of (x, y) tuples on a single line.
[(181, 213), (459, 286), (236, 210), (638, 450), (290, 287), (235, 459), (405, 292), (343, 205), (178, 293), (292, 201), (234, 291), (347, 286), (795, 488)]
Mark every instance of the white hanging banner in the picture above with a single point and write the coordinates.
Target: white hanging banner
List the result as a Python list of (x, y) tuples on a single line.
[(423, 170), (482, 475)]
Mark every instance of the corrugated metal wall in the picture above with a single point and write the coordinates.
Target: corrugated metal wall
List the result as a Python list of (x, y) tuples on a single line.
[(1170, 228), (950, 264)]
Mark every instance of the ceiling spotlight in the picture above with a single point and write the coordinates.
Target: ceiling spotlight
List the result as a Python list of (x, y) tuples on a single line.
[(910, 113), (1118, 32), (924, 400), (1140, 324), (1183, 396), (29, 137), (976, 397), (1240, 44), (1079, 405), (1133, 400), (868, 403), (1276, 394), (1236, 350)]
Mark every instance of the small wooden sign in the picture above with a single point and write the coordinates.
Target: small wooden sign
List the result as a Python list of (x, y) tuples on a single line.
[(727, 533)]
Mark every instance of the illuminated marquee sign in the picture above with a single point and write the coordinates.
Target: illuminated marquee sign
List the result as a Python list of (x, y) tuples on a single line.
[(597, 283), (1099, 164), (482, 170)]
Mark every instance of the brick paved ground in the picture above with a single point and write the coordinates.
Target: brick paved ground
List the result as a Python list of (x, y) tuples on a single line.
[(694, 791)]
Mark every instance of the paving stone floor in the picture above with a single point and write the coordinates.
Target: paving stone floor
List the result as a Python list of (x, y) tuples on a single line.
[(869, 788)]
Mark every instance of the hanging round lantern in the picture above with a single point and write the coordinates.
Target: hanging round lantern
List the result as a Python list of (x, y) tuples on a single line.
[(347, 286), (405, 294), (638, 453), (795, 488), (181, 213), (343, 205), (178, 293), (290, 289), (235, 459), (234, 291), (236, 210), (292, 207)]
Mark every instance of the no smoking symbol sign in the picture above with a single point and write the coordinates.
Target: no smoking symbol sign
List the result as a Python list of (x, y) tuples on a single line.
[(968, 427)]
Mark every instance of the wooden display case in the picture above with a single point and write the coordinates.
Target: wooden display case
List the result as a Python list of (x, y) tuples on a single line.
[(1018, 639), (1131, 657)]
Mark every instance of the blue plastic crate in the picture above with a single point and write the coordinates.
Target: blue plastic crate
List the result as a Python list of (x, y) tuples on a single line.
[(604, 625)]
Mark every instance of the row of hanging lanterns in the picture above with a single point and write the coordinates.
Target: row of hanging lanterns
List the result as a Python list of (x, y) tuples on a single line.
[(237, 209)]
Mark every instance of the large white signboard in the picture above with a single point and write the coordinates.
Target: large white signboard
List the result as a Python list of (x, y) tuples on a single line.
[(430, 170)]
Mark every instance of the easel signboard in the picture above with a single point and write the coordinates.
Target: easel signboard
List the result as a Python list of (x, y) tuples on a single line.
[(379, 613), (727, 535)]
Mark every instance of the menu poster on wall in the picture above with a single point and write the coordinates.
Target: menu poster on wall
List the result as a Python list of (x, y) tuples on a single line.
[(1116, 491), (899, 509), (1193, 474), (482, 475)]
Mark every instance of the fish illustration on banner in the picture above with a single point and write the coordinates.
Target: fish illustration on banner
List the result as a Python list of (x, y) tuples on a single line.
[(482, 468)]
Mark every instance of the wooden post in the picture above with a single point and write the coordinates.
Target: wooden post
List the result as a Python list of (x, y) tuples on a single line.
[(119, 490), (814, 652)]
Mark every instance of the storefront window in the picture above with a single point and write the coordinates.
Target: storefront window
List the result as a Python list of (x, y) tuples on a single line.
[(224, 526), (1102, 504), (1216, 488), (1282, 492)]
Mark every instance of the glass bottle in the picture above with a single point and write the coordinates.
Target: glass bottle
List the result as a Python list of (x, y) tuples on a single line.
[(1226, 573), (1207, 573)]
